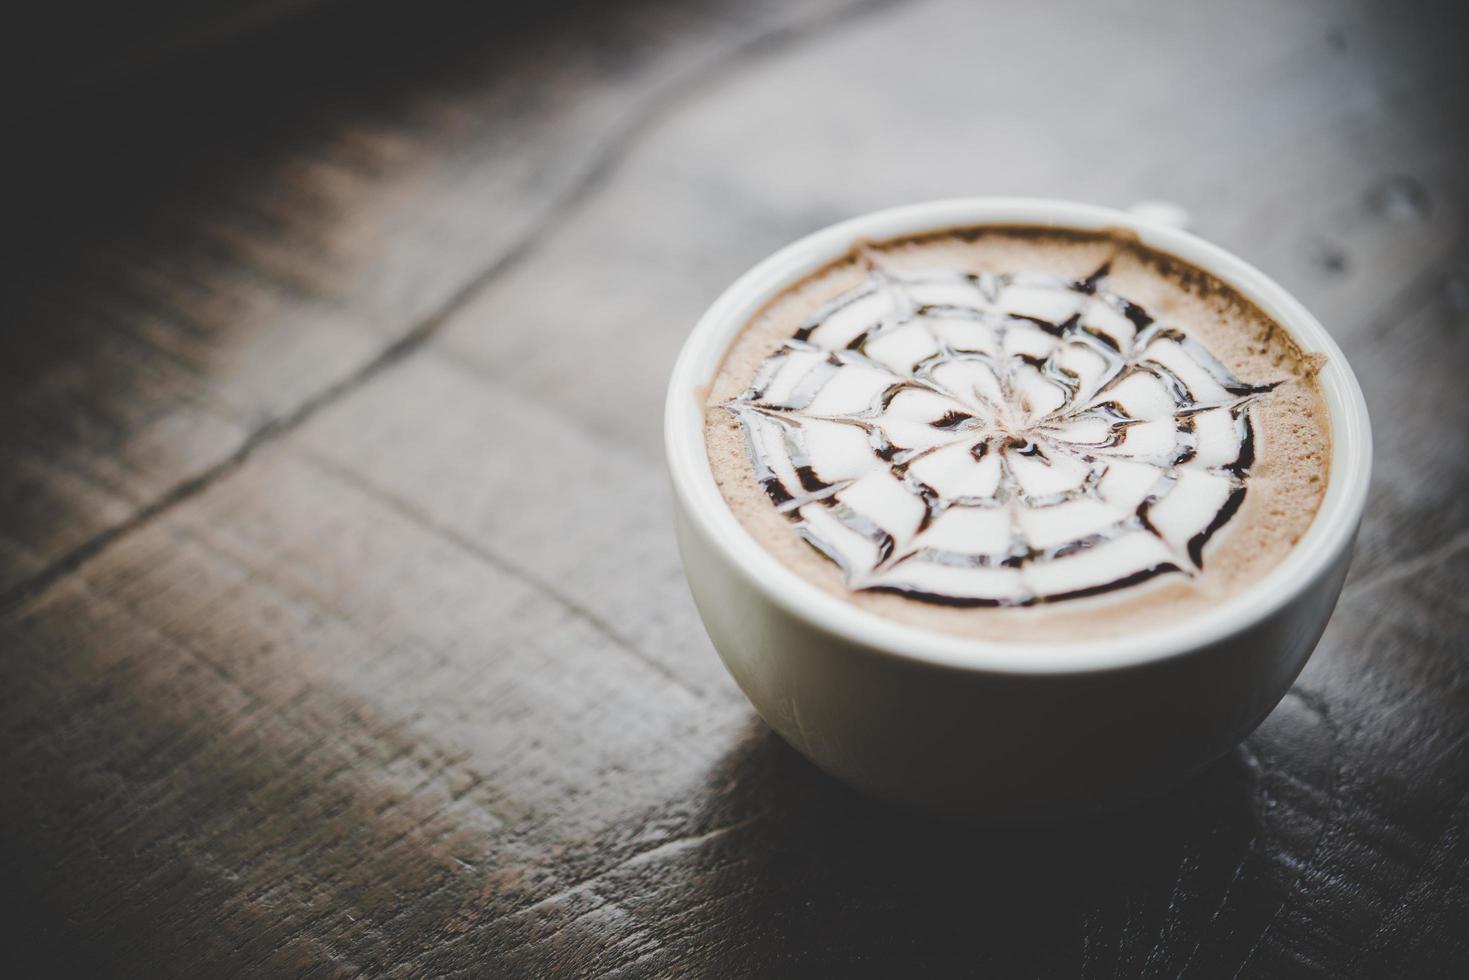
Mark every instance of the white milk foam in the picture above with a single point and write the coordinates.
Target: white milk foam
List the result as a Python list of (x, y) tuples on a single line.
[(998, 440)]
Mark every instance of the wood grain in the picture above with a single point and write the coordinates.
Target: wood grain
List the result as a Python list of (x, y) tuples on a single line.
[(341, 627)]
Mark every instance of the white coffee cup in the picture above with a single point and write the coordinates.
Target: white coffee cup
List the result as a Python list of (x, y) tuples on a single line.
[(1004, 732)]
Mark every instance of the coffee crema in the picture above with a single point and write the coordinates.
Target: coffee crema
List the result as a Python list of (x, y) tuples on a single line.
[(1019, 433)]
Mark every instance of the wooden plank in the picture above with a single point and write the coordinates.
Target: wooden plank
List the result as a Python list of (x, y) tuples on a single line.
[(291, 791), (581, 514), (263, 238)]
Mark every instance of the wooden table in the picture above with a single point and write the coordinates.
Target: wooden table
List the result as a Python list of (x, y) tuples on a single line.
[(342, 629)]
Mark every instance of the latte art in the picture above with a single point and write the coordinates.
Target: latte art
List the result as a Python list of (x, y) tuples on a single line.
[(997, 439)]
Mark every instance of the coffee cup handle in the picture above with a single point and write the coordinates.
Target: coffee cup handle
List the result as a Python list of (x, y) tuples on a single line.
[(1163, 213)]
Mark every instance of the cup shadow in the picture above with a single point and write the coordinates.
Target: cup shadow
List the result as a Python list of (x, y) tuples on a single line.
[(834, 879)]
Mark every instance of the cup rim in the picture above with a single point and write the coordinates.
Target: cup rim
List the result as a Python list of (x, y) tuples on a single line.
[(1330, 530)]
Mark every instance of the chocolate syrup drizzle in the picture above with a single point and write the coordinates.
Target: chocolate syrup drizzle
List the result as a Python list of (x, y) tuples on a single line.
[(974, 321)]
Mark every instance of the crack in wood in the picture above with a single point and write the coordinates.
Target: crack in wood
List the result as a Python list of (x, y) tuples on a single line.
[(418, 518), (652, 855), (680, 88)]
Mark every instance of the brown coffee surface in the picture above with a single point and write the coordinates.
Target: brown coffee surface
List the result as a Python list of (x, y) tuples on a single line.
[(1282, 485)]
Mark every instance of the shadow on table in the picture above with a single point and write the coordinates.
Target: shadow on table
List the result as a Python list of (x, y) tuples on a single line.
[(1194, 878)]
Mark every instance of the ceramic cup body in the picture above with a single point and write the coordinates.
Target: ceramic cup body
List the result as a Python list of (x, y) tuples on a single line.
[(998, 732)]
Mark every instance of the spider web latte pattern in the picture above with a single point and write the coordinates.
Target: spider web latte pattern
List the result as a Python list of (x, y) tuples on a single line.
[(998, 440)]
